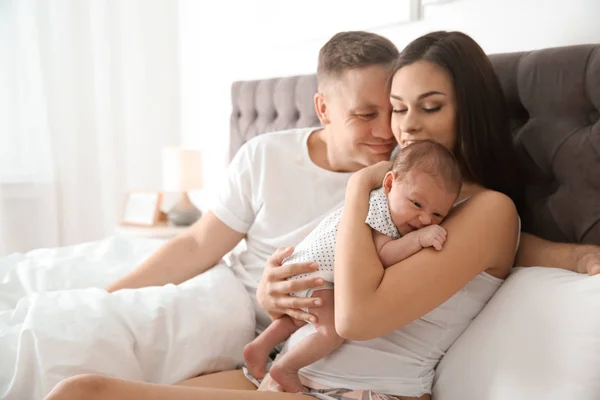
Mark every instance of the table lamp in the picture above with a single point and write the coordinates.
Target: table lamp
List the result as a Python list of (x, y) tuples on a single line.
[(182, 172)]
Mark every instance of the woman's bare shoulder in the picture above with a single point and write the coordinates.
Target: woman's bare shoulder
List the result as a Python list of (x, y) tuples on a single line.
[(495, 214), (487, 200)]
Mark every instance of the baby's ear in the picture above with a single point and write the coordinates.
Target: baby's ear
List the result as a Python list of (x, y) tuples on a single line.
[(388, 182)]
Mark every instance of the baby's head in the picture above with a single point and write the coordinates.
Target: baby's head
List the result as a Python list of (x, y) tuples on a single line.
[(422, 186)]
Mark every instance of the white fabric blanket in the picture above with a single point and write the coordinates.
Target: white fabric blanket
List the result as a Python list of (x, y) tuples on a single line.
[(56, 320)]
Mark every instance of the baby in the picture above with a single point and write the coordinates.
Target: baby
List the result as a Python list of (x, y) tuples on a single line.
[(417, 194)]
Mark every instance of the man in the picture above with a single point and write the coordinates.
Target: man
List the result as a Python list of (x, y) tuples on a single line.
[(282, 184)]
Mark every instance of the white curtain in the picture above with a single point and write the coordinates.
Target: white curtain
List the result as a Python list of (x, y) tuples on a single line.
[(89, 95)]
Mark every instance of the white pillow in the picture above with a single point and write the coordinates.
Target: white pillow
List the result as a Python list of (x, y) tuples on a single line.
[(538, 338)]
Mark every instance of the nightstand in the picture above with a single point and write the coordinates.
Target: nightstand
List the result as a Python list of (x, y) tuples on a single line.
[(162, 231)]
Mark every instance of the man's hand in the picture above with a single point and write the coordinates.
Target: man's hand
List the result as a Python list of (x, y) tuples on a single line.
[(193, 252), (273, 292), (535, 251), (589, 260), (432, 236)]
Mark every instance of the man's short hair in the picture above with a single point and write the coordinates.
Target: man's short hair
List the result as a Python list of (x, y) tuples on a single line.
[(355, 49), (431, 158)]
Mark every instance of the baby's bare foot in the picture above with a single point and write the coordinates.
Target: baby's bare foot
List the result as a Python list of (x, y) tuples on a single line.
[(256, 360), (287, 378)]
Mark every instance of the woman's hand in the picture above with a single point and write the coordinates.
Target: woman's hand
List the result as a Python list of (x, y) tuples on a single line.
[(371, 176), (273, 292)]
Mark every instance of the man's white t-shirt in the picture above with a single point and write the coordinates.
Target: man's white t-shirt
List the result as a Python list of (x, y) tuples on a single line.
[(276, 195)]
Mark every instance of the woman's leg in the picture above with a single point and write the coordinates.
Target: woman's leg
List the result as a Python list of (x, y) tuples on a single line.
[(221, 380), (95, 387)]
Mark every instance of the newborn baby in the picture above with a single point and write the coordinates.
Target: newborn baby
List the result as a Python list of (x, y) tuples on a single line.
[(416, 195)]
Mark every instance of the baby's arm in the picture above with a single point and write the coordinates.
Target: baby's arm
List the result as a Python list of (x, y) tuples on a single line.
[(392, 251)]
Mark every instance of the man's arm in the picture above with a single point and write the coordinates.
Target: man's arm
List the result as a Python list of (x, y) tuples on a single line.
[(184, 257), (534, 251)]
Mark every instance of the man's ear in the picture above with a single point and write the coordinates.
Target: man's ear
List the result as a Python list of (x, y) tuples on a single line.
[(321, 108), (388, 182)]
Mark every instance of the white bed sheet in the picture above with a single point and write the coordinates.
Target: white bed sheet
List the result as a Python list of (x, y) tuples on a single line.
[(56, 320)]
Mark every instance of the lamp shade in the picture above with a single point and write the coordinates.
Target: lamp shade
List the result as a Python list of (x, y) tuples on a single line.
[(182, 169)]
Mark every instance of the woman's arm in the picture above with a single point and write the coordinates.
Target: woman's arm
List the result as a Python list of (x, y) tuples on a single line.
[(534, 251), (371, 301)]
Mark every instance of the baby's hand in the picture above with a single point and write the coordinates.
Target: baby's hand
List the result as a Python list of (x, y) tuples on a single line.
[(432, 236)]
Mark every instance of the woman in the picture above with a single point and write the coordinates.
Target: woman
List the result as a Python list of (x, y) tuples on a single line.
[(436, 94)]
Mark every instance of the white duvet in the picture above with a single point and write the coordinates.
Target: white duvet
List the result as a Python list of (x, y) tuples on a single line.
[(56, 320)]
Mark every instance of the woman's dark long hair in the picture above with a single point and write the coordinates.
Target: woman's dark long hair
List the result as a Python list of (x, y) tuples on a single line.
[(484, 147)]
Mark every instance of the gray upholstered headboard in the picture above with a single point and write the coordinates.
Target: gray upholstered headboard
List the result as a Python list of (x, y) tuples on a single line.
[(554, 101), (271, 105)]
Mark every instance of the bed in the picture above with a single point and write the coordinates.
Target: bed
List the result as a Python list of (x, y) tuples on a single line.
[(56, 320), (539, 337)]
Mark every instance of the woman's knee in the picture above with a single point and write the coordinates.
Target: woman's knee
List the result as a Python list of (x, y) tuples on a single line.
[(86, 386)]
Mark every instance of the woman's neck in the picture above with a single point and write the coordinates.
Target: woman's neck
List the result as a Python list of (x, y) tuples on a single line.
[(469, 189)]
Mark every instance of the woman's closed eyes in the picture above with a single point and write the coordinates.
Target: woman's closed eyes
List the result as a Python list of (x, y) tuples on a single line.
[(426, 110)]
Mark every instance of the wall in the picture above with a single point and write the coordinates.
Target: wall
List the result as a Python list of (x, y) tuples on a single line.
[(510, 25), (235, 40)]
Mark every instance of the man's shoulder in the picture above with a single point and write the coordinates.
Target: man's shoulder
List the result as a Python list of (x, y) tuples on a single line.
[(290, 137)]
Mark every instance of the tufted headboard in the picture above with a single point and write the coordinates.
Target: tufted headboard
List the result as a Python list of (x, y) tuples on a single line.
[(553, 97)]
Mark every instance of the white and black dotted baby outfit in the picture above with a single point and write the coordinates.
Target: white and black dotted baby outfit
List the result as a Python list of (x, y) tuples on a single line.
[(319, 245)]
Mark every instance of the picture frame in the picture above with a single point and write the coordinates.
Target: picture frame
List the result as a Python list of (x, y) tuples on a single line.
[(142, 209)]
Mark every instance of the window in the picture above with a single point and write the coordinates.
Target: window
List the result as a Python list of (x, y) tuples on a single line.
[(23, 122)]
